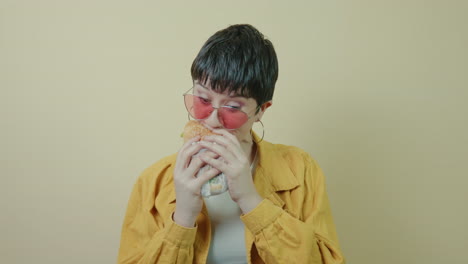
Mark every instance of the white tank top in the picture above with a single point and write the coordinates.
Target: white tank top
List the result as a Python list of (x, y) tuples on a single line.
[(227, 231)]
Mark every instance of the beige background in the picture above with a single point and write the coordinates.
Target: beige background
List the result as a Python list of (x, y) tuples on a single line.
[(376, 91)]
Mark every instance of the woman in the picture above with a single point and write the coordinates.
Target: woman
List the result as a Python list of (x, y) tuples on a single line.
[(276, 209)]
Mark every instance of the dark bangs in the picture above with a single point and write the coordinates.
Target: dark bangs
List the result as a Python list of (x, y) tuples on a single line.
[(239, 60)]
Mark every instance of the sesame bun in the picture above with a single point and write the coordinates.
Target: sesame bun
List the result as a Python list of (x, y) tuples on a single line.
[(194, 128)]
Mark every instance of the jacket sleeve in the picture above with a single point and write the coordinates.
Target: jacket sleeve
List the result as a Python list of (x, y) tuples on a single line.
[(309, 237), (146, 238)]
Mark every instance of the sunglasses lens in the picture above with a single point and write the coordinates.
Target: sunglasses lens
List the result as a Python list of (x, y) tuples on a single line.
[(197, 107), (232, 118), (200, 109)]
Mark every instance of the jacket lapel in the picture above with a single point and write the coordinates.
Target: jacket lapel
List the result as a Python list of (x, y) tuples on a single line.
[(272, 176)]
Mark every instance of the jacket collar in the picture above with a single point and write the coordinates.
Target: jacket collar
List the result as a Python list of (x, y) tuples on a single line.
[(273, 173)]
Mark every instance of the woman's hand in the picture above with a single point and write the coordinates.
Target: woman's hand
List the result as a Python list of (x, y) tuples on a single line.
[(236, 167), (187, 186)]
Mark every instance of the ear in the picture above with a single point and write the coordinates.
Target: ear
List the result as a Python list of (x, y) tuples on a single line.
[(263, 108), (266, 105)]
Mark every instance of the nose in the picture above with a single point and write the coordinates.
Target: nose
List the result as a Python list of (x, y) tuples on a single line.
[(213, 120)]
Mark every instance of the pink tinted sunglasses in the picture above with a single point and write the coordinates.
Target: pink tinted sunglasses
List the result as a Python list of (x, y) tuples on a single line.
[(200, 108)]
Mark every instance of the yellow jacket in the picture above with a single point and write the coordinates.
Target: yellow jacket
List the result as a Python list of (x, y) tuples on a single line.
[(293, 224)]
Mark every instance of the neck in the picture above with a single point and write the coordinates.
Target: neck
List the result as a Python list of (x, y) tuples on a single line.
[(249, 148)]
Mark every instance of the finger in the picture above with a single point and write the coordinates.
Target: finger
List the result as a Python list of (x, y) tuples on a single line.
[(218, 139), (195, 165), (215, 163), (187, 145), (190, 142), (193, 149), (220, 150), (228, 135), (206, 176), (234, 148), (210, 153), (186, 153), (225, 133), (229, 140)]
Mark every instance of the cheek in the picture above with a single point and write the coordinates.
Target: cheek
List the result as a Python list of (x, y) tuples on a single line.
[(241, 131), (245, 129)]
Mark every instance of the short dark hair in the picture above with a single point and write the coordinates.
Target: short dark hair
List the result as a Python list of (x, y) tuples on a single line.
[(238, 59)]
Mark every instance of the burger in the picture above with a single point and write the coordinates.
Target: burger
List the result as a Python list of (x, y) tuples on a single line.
[(217, 184)]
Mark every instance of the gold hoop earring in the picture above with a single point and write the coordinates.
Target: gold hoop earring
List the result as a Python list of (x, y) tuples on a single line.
[(263, 131)]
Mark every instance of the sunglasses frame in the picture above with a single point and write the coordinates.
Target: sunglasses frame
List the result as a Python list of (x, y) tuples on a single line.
[(216, 108)]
